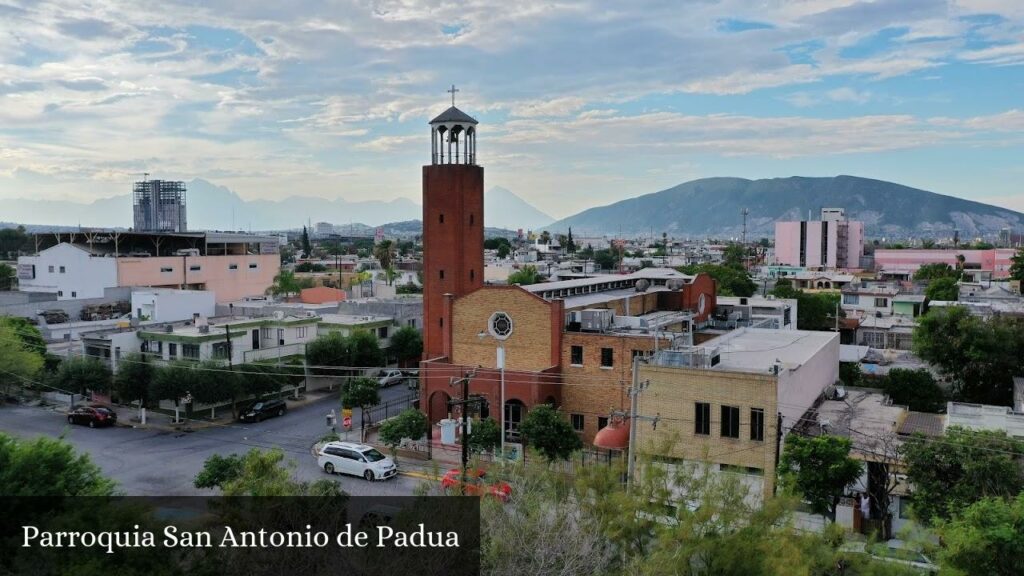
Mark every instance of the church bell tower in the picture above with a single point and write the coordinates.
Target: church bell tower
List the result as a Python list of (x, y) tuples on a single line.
[(453, 222)]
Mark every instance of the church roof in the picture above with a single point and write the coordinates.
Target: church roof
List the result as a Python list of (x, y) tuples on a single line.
[(453, 114)]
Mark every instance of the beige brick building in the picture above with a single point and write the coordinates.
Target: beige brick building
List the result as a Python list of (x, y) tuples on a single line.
[(729, 403)]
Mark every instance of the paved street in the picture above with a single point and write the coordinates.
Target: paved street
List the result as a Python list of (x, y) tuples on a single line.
[(152, 462)]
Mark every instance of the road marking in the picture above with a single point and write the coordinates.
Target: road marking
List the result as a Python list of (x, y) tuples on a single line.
[(420, 475)]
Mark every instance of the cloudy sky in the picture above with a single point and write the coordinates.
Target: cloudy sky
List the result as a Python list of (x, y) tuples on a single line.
[(580, 102)]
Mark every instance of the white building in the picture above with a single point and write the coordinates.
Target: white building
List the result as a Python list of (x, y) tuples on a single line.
[(166, 305), (69, 271), (250, 339)]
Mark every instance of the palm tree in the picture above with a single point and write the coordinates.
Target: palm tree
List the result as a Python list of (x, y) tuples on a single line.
[(384, 252)]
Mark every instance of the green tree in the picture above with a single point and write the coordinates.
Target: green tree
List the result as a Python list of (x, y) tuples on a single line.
[(266, 473), (407, 344), (504, 250), (850, 373), (219, 470), (820, 469), (978, 357), (729, 281), (83, 375), (7, 275), (212, 383), (934, 271), (545, 237), (964, 466), (986, 538), (48, 467), (734, 256), (13, 241), (307, 248), (285, 284), (174, 381), (27, 332), (384, 252), (485, 436), (570, 244), (133, 380), (524, 276), (945, 289), (411, 424), (916, 389), (607, 259), (19, 364), (360, 393), (546, 430), (815, 311), (364, 350), (1017, 265)]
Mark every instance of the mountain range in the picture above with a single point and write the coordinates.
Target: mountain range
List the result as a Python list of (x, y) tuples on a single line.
[(213, 207), (714, 206), (709, 206)]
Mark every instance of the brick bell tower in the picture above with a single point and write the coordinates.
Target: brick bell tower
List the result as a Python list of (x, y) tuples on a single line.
[(453, 221)]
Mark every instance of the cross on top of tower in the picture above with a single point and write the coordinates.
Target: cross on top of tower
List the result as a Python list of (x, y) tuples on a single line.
[(452, 91)]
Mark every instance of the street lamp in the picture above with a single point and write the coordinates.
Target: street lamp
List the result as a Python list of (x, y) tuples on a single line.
[(499, 327)]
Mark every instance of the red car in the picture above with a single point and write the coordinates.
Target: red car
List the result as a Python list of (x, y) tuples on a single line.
[(92, 416), (476, 484)]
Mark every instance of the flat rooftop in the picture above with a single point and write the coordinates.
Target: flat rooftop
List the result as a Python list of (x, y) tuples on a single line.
[(605, 282), (864, 417), (353, 319), (758, 348)]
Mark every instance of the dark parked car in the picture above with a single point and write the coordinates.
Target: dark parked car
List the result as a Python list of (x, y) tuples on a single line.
[(264, 409), (92, 416)]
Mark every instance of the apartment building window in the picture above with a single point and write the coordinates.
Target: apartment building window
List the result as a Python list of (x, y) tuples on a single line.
[(851, 299), (74, 294), (607, 356), (280, 336), (220, 350), (702, 418), (62, 270), (757, 424), (195, 268), (411, 322), (232, 266), (382, 332), (576, 356), (190, 351), (172, 350), (640, 353), (60, 292), (577, 422), (253, 266), (730, 424), (881, 302), (300, 332), (267, 333), (166, 269), (157, 346), (602, 422), (50, 269)]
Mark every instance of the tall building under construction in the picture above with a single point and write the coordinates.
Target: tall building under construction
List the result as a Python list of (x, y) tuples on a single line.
[(159, 206)]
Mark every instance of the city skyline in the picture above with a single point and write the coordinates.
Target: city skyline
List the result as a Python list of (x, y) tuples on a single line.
[(333, 102)]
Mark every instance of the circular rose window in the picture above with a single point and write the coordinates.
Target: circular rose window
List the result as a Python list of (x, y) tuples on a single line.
[(500, 325)]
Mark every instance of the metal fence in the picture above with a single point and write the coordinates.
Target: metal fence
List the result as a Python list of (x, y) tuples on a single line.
[(392, 407)]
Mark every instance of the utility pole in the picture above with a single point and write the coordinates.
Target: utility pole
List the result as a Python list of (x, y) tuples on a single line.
[(634, 418), (465, 402), (746, 261)]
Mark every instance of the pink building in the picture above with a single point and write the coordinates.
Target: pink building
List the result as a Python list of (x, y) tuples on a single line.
[(832, 242), (906, 262)]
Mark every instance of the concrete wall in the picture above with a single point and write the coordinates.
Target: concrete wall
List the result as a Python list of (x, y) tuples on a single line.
[(800, 386), (83, 275), (251, 276), (787, 243), (534, 343), (72, 307), (172, 305), (814, 256)]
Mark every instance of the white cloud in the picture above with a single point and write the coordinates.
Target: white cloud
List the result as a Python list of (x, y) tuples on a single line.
[(847, 94)]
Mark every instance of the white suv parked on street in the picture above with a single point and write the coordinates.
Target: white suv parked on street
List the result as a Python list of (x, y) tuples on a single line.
[(357, 460)]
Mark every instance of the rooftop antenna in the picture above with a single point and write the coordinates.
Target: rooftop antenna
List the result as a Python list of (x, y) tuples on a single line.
[(745, 212)]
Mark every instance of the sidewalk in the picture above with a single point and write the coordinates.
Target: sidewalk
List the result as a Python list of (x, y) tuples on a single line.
[(129, 415)]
